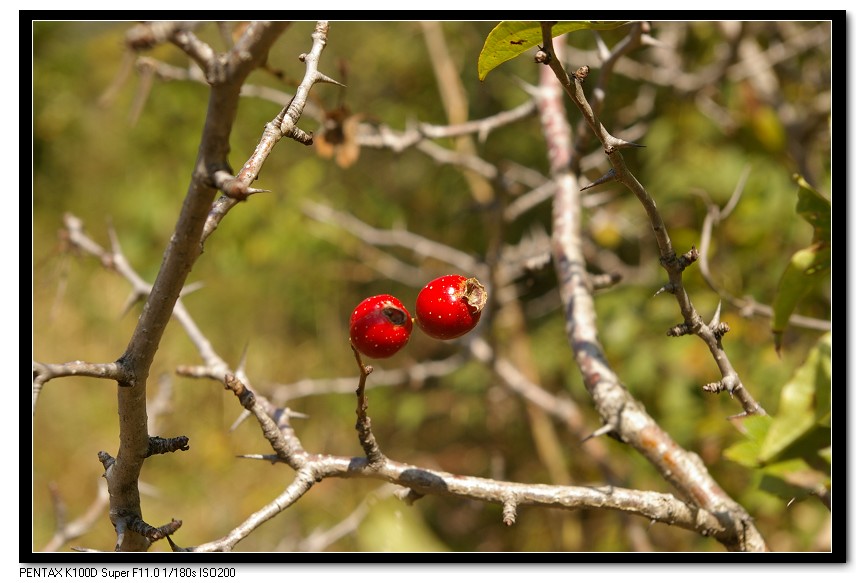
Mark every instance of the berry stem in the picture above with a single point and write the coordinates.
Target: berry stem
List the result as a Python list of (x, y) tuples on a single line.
[(375, 457)]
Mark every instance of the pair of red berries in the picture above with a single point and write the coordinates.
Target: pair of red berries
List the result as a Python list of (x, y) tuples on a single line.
[(446, 308)]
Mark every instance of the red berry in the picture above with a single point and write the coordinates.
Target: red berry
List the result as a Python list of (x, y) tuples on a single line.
[(450, 306), (379, 326)]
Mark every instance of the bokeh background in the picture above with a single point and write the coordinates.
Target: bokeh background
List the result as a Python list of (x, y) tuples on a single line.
[(278, 286)]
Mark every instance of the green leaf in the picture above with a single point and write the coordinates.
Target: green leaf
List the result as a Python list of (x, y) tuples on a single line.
[(747, 451), (801, 426), (808, 266), (816, 209), (511, 39)]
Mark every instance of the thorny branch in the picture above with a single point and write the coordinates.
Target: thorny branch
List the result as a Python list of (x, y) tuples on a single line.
[(275, 422), (615, 404), (708, 506), (237, 188), (226, 74), (312, 469), (668, 257)]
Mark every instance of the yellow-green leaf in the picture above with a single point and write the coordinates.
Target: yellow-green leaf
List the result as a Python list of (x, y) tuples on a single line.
[(809, 265), (511, 39), (800, 428)]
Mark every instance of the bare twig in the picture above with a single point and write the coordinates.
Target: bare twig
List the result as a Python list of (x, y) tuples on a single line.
[(374, 455), (43, 372), (422, 247), (414, 374), (274, 422), (383, 136), (559, 407), (66, 531)]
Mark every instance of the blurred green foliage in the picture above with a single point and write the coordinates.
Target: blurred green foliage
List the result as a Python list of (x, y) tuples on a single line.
[(279, 286)]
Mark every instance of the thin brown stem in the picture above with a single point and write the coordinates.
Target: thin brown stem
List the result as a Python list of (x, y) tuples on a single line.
[(374, 455)]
